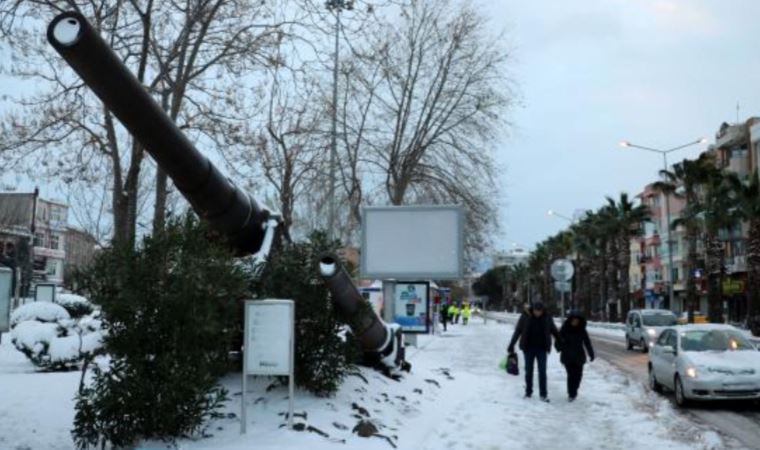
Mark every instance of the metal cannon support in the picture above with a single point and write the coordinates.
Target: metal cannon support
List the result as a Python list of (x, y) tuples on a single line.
[(229, 211), (381, 343)]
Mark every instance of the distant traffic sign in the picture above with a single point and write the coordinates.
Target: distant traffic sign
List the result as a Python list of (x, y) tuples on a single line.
[(563, 286), (562, 270)]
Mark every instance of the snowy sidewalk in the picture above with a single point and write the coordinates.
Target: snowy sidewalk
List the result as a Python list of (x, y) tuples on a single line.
[(455, 398), (484, 409)]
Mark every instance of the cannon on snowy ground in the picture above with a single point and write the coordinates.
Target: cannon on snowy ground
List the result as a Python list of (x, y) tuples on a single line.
[(227, 210), (381, 343)]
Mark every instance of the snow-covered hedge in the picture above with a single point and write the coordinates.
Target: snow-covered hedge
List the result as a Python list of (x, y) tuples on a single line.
[(76, 305), (50, 338), (39, 311)]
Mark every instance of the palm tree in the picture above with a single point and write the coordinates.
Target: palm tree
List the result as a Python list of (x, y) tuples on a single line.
[(747, 195), (584, 243), (719, 214), (684, 182), (606, 228), (520, 279), (627, 220)]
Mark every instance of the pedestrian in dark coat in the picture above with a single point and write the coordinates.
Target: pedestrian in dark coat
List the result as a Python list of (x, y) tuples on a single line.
[(574, 345), (534, 331)]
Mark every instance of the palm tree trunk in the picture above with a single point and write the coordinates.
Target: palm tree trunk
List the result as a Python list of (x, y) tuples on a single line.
[(624, 262), (753, 277), (692, 297), (612, 274), (602, 277), (714, 256)]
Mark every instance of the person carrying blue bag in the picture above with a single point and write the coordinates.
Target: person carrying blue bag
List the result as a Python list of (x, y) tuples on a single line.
[(535, 330)]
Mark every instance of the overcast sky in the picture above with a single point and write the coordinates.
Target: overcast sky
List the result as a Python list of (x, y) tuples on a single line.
[(594, 72)]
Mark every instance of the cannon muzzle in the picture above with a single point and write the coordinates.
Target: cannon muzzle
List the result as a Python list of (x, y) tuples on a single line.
[(229, 211), (380, 342)]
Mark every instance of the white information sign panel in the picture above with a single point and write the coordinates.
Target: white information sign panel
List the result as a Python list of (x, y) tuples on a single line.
[(44, 292), (268, 346), (412, 242), (269, 326)]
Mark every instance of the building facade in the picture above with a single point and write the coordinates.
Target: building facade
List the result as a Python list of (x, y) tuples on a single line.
[(80, 253), (511, 258), (41, 223)]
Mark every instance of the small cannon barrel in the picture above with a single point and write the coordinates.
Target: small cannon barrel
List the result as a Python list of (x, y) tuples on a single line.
[(370, 331), (229, 211)]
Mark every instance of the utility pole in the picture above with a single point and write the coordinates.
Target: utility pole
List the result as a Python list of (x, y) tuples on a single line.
[(337, 6)]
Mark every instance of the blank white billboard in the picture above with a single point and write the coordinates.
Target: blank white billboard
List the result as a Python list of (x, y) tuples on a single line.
[(412, 242)]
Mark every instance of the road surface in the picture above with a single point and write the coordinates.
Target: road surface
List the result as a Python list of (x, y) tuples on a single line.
[(735, 421)]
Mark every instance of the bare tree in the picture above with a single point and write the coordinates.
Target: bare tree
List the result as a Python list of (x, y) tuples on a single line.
[(194, 56), (425, 101), (288, 148)]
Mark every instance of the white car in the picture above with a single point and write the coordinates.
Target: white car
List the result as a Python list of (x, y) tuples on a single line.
[(642, 326), (705, 362)]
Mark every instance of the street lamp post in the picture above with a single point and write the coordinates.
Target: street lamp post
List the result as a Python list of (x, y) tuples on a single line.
[(337, 6), (669, 244), (554, 213)]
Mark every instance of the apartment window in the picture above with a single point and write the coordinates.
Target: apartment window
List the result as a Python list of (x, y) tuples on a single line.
[(52, 267), (675, 275), (39, 240), (739, 248), (55, 214), (55, 242)]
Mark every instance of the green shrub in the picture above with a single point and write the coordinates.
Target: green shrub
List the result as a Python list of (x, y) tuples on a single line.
[(170, 307), (322, 356)]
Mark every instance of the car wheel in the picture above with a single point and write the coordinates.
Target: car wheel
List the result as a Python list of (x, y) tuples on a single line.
[(681, 399), (643, 345), (628, 343), (653, 384)]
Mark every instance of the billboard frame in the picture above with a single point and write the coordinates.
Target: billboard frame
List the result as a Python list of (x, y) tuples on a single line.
[(403, 276)]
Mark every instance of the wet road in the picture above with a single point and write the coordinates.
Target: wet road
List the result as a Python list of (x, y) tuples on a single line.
[(737, 422)]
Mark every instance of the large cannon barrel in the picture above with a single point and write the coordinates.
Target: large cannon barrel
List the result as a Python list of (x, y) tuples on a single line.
[(229, 211), (369, 330)]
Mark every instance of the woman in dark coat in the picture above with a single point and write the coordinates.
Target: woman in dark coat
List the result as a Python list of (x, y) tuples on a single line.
[(575, 343)]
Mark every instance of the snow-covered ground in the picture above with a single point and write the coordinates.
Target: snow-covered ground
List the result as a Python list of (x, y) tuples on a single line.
[(455, 398)]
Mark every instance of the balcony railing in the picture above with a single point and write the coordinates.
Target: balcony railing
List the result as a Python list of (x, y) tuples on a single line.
[(736, 264)]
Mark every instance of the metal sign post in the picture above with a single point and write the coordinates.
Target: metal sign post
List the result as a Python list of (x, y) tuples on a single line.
[(562, 271), (268, 347)]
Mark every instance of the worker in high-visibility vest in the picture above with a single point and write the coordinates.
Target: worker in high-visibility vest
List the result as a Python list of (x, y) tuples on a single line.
[(466, 313), (453, 313), (457, 314)]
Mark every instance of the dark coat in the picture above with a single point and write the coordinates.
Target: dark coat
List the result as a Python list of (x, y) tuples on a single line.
[(521, 330), (573, 340)]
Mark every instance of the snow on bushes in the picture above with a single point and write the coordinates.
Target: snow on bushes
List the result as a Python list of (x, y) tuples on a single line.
[(50, 338), (76, 305), (39, 311)]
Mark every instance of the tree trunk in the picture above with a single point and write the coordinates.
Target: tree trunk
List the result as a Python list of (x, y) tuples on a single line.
[(753, 277), (602, 280), (159, 208), (714, 250), (624, 263), (692, 296), (613, 271)]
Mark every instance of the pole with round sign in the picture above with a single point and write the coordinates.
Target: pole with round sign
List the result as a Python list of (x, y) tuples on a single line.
[(562, 271)]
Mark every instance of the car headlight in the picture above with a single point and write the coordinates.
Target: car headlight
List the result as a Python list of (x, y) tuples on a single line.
[(691, 372), (651, 332)]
